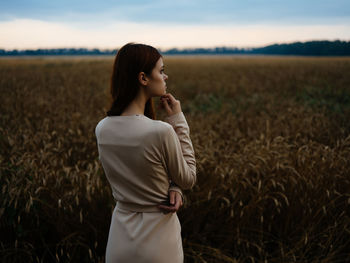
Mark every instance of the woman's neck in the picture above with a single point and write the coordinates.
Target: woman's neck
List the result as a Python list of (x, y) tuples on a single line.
[(137, 106)]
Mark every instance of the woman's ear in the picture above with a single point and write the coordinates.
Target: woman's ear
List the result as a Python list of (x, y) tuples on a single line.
[(143, 78)]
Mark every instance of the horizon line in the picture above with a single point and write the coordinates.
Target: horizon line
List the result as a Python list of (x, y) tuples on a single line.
[(164, 49)]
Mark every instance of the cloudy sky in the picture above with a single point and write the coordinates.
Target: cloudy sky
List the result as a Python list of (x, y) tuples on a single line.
[(28, 24)]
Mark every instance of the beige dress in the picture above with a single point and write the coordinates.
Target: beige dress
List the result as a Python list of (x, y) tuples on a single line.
[(140, 157)]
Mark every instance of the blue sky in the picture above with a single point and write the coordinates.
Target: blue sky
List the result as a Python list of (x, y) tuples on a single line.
[(165, 24)]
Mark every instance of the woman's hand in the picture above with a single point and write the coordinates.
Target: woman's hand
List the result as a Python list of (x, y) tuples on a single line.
[(170, 104), (175, 202)]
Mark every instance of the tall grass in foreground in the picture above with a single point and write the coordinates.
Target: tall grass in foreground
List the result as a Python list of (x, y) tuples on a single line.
[(272, 143)]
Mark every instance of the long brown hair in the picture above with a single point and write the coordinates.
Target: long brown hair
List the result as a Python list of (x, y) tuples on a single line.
[(130, 60)]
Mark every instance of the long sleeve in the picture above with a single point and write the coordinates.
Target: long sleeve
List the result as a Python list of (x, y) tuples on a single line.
[(178, 152)]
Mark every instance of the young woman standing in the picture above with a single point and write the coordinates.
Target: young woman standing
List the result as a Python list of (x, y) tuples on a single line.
[(146, 161)]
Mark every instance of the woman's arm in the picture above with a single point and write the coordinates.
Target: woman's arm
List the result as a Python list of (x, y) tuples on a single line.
[(178, 152)]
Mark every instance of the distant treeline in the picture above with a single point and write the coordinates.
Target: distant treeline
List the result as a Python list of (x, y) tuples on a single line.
[(311, 48)]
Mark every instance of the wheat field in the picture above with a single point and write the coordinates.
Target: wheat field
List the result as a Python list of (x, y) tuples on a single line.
[(272, 143)]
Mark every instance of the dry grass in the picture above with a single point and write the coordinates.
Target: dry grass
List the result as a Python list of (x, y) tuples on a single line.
[(272, 142)]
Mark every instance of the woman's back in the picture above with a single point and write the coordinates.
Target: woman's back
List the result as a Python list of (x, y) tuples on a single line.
[(131, 155), (139, 156)]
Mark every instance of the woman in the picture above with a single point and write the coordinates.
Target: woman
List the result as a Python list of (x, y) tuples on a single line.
[(145, 160)]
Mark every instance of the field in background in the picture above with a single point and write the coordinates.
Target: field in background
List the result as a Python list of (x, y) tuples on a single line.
[(272, 143)]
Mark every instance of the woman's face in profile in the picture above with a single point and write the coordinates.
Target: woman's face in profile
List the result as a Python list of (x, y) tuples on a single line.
[(156, 85)]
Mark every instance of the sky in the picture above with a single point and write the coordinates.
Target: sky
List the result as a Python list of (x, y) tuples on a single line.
[(32, 24)]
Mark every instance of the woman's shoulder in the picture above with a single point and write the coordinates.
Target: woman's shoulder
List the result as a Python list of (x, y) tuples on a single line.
[(148, 127), (99, 125), (171, 123), (162, 127)]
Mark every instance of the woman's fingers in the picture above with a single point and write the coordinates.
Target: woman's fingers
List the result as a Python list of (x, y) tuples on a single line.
[(167, 208), (171, 105), (168, 95), (166, 105), (177, 202), (180, 199), (172, 197), (171, 98)]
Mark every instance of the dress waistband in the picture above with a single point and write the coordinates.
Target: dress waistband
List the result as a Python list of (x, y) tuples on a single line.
[(138, 208)]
